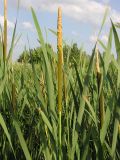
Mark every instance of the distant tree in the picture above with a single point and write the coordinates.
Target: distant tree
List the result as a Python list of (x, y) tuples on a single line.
[(72, 53), (24, 57), (34, 55), (75, 53), (66, 52)]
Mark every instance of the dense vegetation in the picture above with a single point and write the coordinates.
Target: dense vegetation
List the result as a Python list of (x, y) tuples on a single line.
[(30, 126), (73, 52)]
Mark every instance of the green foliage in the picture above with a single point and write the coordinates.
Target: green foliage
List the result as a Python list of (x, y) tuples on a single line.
[(35, 53), (71, 54)]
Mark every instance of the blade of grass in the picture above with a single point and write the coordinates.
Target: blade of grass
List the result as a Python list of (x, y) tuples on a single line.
[(117, 42), (22, 141), (2, 122), (50, 86)]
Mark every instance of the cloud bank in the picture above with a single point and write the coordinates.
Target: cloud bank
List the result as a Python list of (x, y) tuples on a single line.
[(88, 11)]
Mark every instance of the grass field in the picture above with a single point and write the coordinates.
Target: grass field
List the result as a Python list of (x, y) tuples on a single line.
[(51, 110)]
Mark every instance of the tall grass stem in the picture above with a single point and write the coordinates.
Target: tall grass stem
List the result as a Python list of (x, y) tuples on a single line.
[(5, 31), (60, 73)]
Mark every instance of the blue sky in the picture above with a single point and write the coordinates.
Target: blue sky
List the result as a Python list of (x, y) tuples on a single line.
[(81, 21)]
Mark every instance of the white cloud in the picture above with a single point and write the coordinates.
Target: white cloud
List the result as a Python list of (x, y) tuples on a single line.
[(27, 25), (9, 23), (74, 33), (89, 11), (115, 16), (106, 1), (93, 38), (103, 38)]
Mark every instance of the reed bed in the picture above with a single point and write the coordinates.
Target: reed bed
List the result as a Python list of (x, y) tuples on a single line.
[(54, 110)]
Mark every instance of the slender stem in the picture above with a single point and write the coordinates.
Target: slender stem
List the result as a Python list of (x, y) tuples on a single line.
[(101, 96), (13, 91), (65, 89), (60, 150), (5, 31)]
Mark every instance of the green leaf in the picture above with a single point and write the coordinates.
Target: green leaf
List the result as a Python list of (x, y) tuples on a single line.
[(104, 19), (46, 120), (115, 132), (49, 81), (117, 42), (22, 141), (12, 43), (2, 122), (105, 126), (82, 101), (79, 79), (107, 57), (91, 110)]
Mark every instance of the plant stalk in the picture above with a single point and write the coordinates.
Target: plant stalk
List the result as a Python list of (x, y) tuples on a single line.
[(100, 93), (5, 31), (60, 74)]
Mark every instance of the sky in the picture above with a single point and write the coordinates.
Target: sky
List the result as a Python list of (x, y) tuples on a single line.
[(81, 21)]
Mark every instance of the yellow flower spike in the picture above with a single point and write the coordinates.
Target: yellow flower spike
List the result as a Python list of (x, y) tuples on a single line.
[(60, 59), (60, 76), (97, 61)]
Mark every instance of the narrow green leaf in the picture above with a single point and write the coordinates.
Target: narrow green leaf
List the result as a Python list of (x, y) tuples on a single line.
[(22, 141), (46, 120), (115, 132), (2, 122), (103, 131), (91, 110), (117, 42), (49, 81)]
